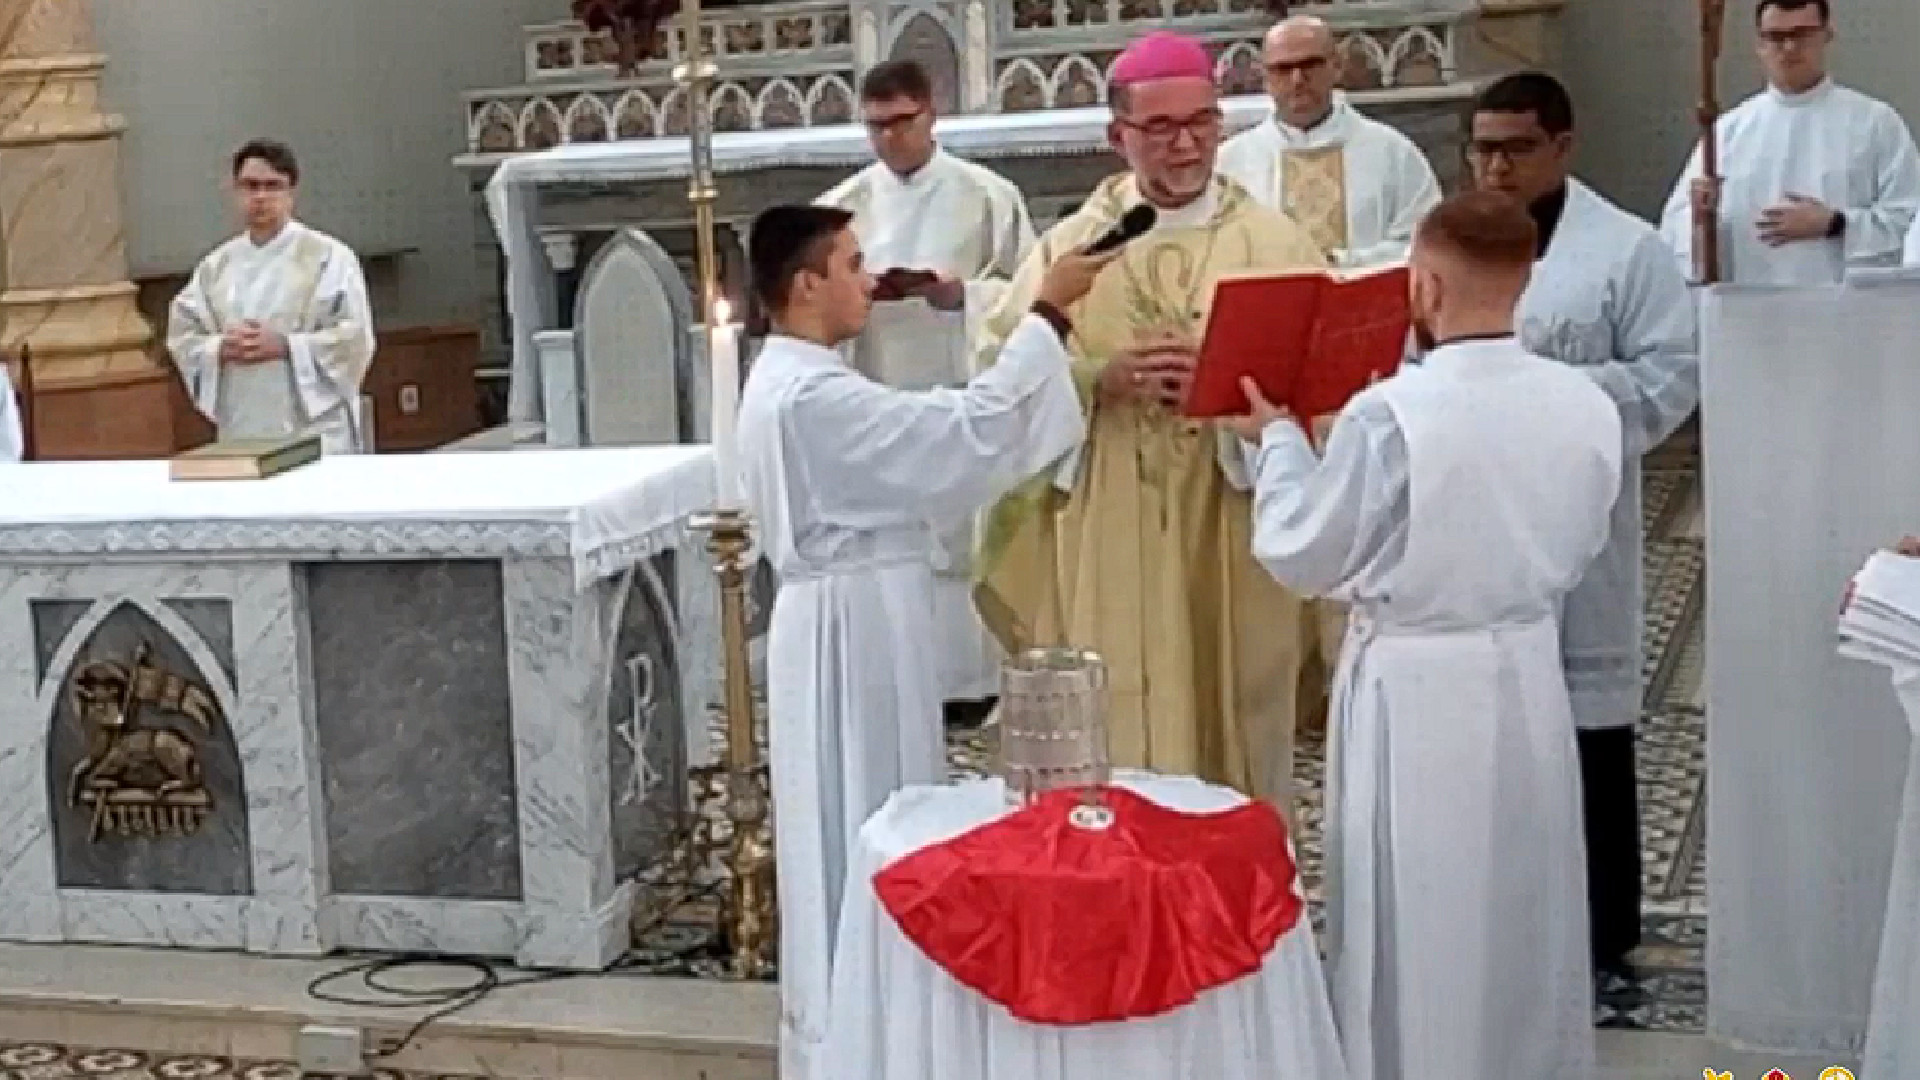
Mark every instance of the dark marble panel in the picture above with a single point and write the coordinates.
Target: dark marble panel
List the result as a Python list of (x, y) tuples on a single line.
[(647, 751), (147, 796), (53, 620), (213, 621), (409, 666)]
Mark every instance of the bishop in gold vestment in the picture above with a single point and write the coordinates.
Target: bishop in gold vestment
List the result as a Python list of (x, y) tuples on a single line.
[(1141, 548)]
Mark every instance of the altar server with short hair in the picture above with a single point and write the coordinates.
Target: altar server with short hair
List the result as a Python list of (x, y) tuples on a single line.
[(919, 208), (13, 439), (274, 333), (1457, 505), (1607, 298), (848, 480), (1817, 177), (1357, 186)]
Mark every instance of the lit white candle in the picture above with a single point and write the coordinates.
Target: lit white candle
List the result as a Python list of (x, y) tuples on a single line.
[(723, 358)]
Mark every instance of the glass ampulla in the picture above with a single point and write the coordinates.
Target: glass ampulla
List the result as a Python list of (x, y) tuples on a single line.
[(1053, 723)]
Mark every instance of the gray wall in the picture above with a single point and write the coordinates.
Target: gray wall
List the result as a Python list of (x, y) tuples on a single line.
[(1633, 64), (366, 91)]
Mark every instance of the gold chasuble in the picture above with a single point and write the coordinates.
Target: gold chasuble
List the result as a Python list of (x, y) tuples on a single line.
[(1315, 182), (1149, 560)]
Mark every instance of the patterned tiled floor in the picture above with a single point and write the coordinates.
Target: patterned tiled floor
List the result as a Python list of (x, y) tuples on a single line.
[(1672, 756)]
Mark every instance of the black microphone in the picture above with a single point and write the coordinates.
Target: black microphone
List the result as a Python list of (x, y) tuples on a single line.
[(1131, 225)]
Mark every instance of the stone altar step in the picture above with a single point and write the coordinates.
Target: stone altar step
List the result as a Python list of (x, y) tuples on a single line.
[(250, 1008)]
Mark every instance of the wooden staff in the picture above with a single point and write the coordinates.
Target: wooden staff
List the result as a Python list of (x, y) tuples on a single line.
[(24, 392), (1706, 220)]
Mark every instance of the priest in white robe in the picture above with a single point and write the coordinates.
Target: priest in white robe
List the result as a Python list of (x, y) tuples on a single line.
[(1816, 177), (1458, 504), (1357, 186), (273, 335), (848, 480), (1607, 298), (13, 438), (919, 208)]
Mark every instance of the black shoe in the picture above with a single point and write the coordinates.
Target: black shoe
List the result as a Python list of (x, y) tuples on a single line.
[(968, 715), (1617, 985)]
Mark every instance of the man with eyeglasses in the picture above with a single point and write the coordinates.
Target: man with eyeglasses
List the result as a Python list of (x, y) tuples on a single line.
[(1817, 177), (1140, 550), (942, 237), (1607, 298), (1358, 186), (274, 333)]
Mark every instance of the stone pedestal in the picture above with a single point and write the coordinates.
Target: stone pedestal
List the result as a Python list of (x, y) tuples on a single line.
[(64, 263)]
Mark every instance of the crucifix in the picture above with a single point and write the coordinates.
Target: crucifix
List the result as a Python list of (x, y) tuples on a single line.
[(1706, 216)]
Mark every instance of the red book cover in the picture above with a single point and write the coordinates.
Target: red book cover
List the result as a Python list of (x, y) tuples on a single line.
[(1310, 341)]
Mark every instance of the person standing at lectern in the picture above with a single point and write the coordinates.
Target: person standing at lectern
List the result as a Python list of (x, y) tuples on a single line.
[(1458, 503), (274, 333), (1816, 177), (1607, 298), (848, 480), (941, 236)]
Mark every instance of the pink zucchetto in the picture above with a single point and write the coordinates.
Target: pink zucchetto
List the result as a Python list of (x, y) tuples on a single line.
[(1162, 54)]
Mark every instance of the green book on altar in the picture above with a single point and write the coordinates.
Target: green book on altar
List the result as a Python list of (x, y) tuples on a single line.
[(245, 459)]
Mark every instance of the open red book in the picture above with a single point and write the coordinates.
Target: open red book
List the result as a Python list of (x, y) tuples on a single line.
[(1309, 340)]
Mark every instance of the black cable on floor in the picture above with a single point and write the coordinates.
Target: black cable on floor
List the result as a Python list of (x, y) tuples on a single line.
[(488, 978)]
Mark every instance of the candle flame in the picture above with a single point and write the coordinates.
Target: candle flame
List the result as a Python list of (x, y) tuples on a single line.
[(722, 312)]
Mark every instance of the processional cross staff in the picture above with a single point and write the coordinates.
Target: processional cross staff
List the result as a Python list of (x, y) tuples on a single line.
[(1706, 212)]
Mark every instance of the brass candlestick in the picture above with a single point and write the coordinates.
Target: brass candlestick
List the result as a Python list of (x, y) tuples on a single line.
[(748, 919), (1706, 223)]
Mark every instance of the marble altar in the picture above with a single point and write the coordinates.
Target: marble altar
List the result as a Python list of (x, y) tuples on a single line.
[(421, 703), (1806, 419)]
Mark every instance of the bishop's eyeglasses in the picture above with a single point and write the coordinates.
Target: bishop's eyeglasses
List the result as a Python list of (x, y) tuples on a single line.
[(1165, 130)]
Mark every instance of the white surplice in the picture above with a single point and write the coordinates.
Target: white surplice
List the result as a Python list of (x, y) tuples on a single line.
[(964, 220), (1390, 185), (1457, 505), (13, 439), (305, 285), (848, 481), (1832, 143), (1911, 256), (1608, 299), (1893, 1035)]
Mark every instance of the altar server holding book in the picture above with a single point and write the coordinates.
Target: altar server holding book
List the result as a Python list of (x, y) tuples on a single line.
[(848, 480), (942, 235), (274, 333), (1880, 623), (1458, 503)]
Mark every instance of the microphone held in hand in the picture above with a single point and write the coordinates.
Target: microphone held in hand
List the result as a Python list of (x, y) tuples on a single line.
[(1132, 224)]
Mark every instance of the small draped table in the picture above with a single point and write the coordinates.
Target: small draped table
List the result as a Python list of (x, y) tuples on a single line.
[(899, 1015)]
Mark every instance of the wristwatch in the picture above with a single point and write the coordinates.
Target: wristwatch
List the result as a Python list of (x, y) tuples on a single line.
[(1837, 225)]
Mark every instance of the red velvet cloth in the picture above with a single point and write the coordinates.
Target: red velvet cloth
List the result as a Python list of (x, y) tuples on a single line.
[(1068, 926)]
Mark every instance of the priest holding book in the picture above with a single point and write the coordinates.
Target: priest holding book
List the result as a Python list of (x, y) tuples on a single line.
[(1139, 549), (1606, 297)]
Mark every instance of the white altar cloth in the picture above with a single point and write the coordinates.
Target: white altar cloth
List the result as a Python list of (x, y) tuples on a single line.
[(898, 1016), (605, 509), (1809, 396)]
